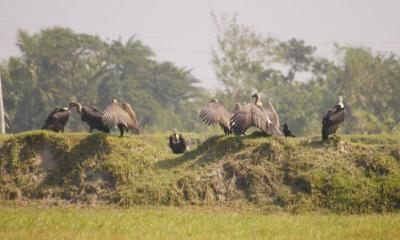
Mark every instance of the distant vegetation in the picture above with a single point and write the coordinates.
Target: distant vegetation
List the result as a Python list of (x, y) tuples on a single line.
[(56, 64)]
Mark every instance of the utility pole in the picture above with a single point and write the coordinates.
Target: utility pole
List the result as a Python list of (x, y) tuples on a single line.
[(2, 122)]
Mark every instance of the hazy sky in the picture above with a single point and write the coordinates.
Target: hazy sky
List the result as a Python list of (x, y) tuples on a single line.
[(182, 31)]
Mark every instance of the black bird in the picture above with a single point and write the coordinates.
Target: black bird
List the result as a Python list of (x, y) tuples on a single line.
[(287, 131), (121, 115), (57, 119), (177, 144), (91, 116), (332, 119)]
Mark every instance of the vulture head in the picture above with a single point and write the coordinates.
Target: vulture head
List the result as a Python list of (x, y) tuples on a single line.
[(215, 100), (257, 99), (340, 102), (114, 100), (285, 125), (77, 105), (65, 108), (174, 131)]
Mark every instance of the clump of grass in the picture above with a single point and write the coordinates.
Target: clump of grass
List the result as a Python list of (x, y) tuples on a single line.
[(354, 174)]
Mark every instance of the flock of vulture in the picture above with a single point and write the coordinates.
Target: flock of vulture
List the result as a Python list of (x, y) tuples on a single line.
[(116, 114), (237, 122)]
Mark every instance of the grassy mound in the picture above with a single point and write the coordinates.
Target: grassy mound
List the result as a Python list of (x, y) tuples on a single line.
[(353, 174)]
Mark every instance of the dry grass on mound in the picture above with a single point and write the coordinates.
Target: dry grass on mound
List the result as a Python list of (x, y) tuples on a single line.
[(355, 174)]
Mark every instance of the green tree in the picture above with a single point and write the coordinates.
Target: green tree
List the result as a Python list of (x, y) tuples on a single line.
[(57, 64)]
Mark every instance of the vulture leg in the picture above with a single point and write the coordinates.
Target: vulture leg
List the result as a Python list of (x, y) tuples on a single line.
[(121, 129)]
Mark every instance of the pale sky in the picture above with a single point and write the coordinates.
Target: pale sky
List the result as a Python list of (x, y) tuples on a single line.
[(182, 31)]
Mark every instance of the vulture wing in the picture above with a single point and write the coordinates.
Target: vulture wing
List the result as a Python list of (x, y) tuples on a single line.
[(127, 108), (56, 119), (337, 116), (248, 116), (214, 112), (90, 112), (331, 121), (114, 114), (51, 116), (273, 115)]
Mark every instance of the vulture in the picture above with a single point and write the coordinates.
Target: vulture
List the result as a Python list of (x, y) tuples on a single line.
[(254, 114), (286, 131), (122, 116), (91, 116), (57, 119), (214, 112), (177, 143), (332, 119)]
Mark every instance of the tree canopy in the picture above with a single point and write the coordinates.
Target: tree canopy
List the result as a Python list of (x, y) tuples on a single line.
[(57, 65), (303, 85)]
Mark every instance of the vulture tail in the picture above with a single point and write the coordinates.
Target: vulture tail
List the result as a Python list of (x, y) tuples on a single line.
[(325, 131)]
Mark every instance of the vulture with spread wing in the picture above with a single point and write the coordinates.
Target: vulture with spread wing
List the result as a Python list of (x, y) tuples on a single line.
[(57, 119), (215, 113), (254, 114), (91, 116), (121, 115), (332, 119), (177, 143)]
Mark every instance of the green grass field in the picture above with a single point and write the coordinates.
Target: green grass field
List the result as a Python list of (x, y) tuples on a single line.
[(38, 222)]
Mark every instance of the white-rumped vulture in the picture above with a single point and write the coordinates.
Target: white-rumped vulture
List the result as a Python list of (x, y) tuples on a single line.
[(91, 116), (177, 143), (215, 113), (122, 116), (255, 115), (332, 119), (57, 119), (286, 131)]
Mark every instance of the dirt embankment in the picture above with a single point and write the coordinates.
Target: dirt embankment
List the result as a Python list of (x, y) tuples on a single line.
[(353, 174)]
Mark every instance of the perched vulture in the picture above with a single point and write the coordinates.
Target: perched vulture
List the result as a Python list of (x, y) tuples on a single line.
[(332, 119), (287, 131), (91, 116), (177, 144), (121, 115), (214, 112), (254, 114), (57, 119)]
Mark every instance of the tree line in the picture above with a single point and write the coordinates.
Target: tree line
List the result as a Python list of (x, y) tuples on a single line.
[(57, 65), (303, 85)]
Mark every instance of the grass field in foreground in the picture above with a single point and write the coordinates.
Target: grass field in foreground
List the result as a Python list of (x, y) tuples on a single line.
[(19, 222)]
